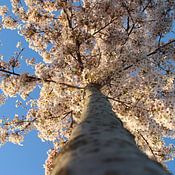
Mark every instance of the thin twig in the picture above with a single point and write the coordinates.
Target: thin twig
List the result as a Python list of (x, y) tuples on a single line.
[(66, 114), (146, 6), (119, 101), (71, 86), (33, 78), (147, 144), (112, 20), (160, 47)]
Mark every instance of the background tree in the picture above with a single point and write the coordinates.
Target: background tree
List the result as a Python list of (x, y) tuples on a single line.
[(119, 45)]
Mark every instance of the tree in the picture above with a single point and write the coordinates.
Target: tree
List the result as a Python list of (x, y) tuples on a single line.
[(95, 51)]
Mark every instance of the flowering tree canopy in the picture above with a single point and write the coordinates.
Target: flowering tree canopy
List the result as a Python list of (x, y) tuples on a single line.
[(119, 45)]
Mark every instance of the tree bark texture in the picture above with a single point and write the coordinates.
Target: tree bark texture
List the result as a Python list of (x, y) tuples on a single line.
[(100, 145)]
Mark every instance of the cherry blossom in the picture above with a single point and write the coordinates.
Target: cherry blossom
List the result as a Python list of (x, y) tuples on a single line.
[(120, 45)]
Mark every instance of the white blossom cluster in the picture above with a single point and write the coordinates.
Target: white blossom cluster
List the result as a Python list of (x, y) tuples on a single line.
[(13, 85)]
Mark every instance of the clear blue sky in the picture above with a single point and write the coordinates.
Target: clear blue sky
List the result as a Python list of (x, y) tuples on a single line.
[(14, 159), (27, 159)]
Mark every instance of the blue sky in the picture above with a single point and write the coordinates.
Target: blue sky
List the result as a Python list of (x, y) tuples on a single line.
[(14, 159), (27, 159)]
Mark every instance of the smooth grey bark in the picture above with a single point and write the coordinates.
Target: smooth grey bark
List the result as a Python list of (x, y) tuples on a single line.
[(100, 145)]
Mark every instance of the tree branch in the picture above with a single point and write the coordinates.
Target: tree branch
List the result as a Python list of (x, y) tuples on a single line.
[(112, 20), (148, 145), (39, 79)]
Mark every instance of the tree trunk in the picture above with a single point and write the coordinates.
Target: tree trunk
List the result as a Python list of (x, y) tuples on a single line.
[(100, 145)]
